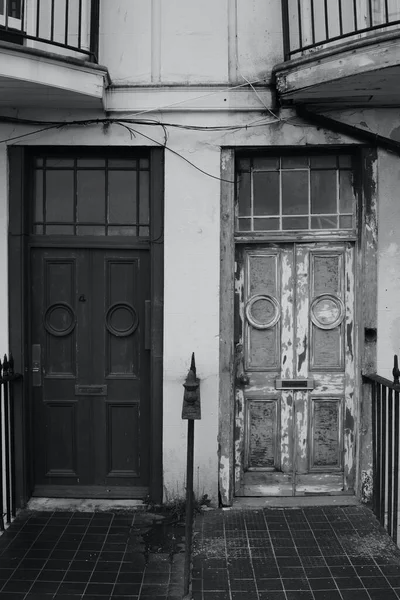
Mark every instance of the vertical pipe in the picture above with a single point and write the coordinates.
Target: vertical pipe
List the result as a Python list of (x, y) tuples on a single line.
[(94, 30), (7, 449), (377, 476), (383, 454), (396, 465), (390, 463), (286, 29), (66, 22), (386, 12), (189, 506)]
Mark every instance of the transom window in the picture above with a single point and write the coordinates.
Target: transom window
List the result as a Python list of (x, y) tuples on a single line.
[(295, 192), (91, 196)]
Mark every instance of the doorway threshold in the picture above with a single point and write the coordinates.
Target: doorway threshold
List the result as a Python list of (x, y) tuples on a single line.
[(294, 501), (84, 504)]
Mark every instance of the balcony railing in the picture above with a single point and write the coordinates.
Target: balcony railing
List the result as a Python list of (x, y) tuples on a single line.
[(385, 412), (310, 25), (66, 27)]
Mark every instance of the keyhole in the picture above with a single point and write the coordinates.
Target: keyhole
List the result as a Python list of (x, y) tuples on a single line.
[(82, 298)]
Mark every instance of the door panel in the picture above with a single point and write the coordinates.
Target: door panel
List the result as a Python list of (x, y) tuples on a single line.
[(91, 415), (295, 367)]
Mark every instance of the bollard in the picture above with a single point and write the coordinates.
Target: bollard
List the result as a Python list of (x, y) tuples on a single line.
[(191, 411)]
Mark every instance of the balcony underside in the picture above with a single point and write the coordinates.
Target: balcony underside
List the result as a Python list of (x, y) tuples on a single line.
[(32, 78), (364, 73)]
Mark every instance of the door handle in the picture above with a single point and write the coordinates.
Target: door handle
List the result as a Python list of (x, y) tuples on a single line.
[(36, 365)]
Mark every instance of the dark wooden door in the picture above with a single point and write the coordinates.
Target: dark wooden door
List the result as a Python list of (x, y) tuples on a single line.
[(90, 393)]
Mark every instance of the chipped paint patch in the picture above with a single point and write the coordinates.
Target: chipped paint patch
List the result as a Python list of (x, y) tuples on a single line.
[(367, 488)]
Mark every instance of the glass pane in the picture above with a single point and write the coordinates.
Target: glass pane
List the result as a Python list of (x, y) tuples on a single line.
[(60, 163), (90, 230), (244, 191), (346, 222), (144, 197), (265, 163), (345, 161), (60, 196), (346, 193), (294, 162), (266, 193), (122, 197), (294, 192), (323, 222), (144, 231), (323, 162), (244, 164), (122, 163), (122, 230), (295, 223), (59, 230), (244, 224), (91, 162), (266, 224), (323, 192), (91, 196), (38, 196)]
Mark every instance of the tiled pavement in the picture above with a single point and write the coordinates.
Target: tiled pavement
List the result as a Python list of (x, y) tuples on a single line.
[(93, 556), (318, 553)]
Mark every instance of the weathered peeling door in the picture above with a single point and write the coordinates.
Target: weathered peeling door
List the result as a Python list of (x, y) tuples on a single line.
[(90, 372), (294, 369)]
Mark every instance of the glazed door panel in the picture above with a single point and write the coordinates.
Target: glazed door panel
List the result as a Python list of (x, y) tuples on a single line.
[(90, 399), (295, 369)]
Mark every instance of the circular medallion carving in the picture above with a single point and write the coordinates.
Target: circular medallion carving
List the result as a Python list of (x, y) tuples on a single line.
[(263, 311), (59, 319), (327, 311), (121, 319)]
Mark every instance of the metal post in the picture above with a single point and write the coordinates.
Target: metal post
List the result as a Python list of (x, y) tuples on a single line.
[(190, 410), (189, 506)]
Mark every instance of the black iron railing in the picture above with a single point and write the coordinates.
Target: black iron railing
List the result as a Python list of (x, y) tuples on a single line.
[(72, 25), (311, 24), (7, 440), (385, 395)]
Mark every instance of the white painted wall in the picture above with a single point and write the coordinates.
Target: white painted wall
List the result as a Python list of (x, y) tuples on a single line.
[(192, 250), (180, 42)]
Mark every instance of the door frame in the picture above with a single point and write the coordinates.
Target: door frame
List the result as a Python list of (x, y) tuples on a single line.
[(366, 262), (19, 310)]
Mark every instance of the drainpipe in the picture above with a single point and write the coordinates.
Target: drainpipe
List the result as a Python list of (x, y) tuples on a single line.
[(360, 134)]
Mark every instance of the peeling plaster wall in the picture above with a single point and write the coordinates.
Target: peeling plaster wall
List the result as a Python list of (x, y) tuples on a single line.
[(385, 122)]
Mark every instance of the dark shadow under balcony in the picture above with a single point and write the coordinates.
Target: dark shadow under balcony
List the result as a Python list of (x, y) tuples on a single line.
[(49, 54), (340, 53)]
